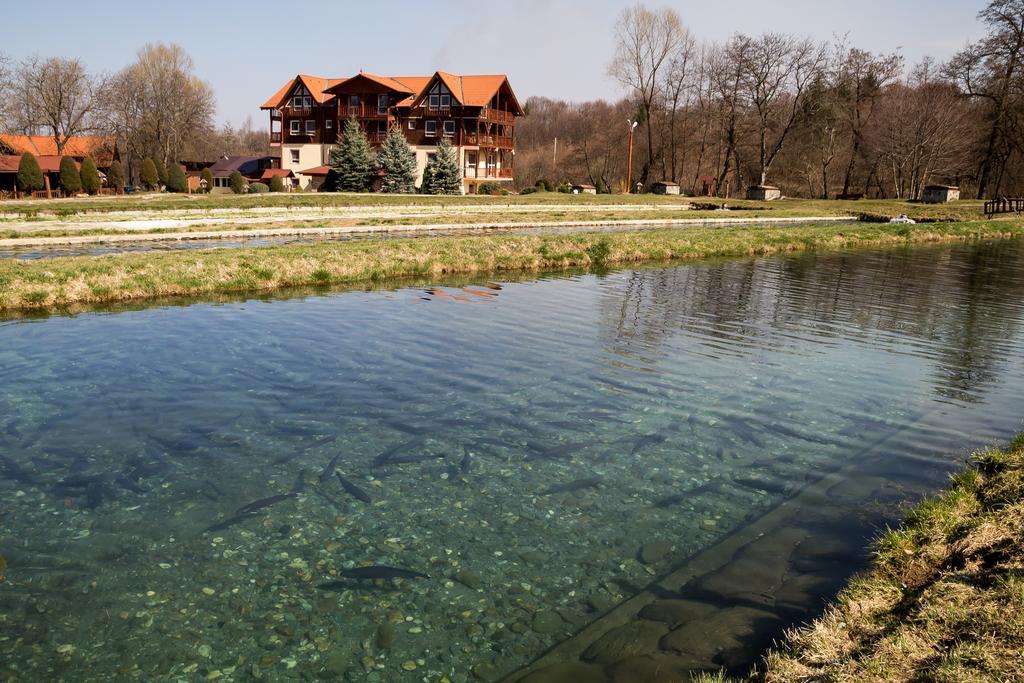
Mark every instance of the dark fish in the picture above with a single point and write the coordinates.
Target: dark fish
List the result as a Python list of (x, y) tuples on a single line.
[(465, 463), (760, 484), (405, 459), (353, 489), (745, 431), (231, 521), (385, 457), (577, 485), (379, 571), (647, 441), (794, 434), (16, 472), (329, 469), (264, 503), (559, 452), (676, 498)]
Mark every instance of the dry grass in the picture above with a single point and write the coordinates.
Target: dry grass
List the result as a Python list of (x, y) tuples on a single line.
[(945, 600), (62, 282)]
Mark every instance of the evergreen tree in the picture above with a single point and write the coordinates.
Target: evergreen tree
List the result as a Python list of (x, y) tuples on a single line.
[(70, 179), (276, 184), (352, 160), (237, 183), (91, 182), (444, 177), (149, 178), (161, 170), (427, 181), (206, 175), (115, 176), (176, 181), (398, 162), (30, 176)]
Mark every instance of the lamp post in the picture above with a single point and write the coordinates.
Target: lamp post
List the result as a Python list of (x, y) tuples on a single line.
[(629, 173)]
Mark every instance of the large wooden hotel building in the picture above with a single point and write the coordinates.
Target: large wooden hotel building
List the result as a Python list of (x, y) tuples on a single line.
[(476, 114)]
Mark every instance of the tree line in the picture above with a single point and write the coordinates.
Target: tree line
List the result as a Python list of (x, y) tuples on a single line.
[(817, 119), (156, 106)]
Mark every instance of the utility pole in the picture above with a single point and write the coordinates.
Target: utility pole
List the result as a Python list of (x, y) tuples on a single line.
[(629, 173), (554, 154)]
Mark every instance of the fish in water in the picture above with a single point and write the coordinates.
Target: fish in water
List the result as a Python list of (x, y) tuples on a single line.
[(379, 571), (405, 459), (328, 470), (264, 503), (577, 485), (466, 463), (353, 489), (230, 521)]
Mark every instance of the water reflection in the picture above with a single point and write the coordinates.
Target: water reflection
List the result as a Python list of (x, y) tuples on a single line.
[(540, 450)]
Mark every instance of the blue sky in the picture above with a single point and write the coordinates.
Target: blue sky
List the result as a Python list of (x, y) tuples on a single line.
[(557, 48)]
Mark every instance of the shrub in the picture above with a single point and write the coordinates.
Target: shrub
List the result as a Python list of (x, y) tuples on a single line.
[(115, 176), (30, 176), (528, 190), (91, 182), (148, 177), (544, 185), (70, 178), (206, 176), (490, 188), (565, 188), (276, 184), (258, 188), (176, 180), (238, 184)]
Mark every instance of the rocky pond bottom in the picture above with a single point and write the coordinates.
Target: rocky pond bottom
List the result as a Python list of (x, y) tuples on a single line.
[(602, 475)]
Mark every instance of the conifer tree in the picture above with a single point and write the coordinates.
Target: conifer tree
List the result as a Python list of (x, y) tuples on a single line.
[(30, 176), (237, 182), (91, 182), (70, 178), (176, 181), (207, 175), (444, 176), (398, 161), (276, 184), (161, 170), (149, 178), (115, 176), (352, 160)]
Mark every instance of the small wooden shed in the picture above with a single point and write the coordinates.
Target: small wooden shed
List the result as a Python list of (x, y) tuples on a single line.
[(940, 194), (665, 187), (583, 188), (764, 193)]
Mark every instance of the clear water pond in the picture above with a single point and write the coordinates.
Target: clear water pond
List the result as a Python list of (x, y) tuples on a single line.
[(449, 481)]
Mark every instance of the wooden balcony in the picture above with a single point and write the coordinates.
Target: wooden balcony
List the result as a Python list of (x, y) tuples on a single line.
[(298, 111), (362, 111), (497, 141), (497, 116), (275, 137), (376, 138)]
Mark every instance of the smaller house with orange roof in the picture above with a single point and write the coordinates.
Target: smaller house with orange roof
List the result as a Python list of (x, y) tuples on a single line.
[(476, 114), (103, 151)]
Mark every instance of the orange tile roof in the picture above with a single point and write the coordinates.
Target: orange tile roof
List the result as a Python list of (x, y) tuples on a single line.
[(316, 170), (49, 163), (471, 91), (98, 146), (315, 84)]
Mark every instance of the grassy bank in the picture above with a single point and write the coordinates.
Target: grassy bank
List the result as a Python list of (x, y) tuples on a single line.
[(945, 600), (62, 282), (871, 208)]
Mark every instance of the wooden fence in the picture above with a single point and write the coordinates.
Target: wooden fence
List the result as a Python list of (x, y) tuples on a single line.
[(995, 207)]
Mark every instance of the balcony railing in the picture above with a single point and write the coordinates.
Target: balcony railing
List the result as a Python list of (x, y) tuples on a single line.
[(497, 115), (440, 110), (275, 137), (362, 111), (298, 111)]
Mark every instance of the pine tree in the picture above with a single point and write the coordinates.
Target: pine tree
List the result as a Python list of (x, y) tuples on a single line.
[(206, 175), (70, 178), (352, 160), (276, 184), (91, 182), (30, 176), (398, 162), (444, 175), (176, 181), (161, 170), (149, 178), (115, 176), (238, 184)]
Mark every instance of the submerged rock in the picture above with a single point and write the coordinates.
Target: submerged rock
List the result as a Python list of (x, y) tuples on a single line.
[(629, 640), (546, 622), (654, 551)]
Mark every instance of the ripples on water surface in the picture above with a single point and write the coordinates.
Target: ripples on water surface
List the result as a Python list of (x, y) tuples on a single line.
[(672, 405)]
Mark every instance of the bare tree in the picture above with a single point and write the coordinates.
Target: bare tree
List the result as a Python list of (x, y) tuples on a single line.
[(55, 95), (646, 40)]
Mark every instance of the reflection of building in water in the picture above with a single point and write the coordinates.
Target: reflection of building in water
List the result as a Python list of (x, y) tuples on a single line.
[(939, 296)]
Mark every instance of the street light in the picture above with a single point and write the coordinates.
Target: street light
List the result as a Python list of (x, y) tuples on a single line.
[(629, 173)]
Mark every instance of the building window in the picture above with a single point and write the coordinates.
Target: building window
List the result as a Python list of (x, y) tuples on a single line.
[(431, 128), (412, 125), (310, 126), (446, 101), (434, 101), (296, 127), (449, 128), (382, 104), (295, 156), (328, 124), (353, 100)]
